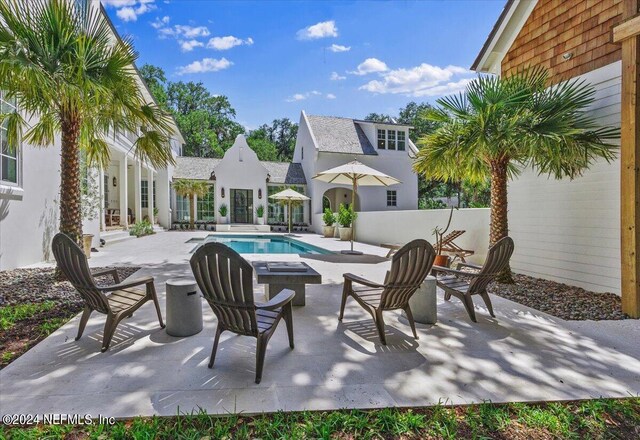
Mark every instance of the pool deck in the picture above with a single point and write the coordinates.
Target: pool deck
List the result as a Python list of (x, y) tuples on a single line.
[(521, 355)]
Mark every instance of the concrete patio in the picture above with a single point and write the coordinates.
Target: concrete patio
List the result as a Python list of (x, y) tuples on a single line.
[(522, 355)]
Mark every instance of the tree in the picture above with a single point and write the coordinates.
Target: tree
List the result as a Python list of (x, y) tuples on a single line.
[(264, 148), (191, 189), (378, 117), (59, 62), (413, 114), (498, 126)]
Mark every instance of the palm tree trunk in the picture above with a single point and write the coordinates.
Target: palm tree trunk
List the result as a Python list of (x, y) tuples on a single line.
[(192, 212), (70, 193), (499, 207)]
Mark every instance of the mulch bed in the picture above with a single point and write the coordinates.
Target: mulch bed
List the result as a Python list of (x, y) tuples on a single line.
[(561, 300), (22, 286)]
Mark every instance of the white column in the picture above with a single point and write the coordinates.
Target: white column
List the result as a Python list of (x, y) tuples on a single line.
[(103, 202), (137, 191), (123, 188), (150, 195)]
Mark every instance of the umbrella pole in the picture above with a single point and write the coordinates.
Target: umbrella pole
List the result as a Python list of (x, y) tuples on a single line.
[(289, 215), (353, 206)]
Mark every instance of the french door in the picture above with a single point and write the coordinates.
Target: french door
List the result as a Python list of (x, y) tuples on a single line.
[(241, 206)]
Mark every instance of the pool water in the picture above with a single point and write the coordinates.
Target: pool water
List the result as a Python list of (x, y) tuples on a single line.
[(263, 244)]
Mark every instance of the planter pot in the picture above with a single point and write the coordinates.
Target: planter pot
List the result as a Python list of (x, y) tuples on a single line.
[(86, 244), (261, 221), (223, 220), (328, 231), (442, 261), (345, 233)]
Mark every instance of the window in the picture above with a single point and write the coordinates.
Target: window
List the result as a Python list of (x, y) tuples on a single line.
[(206, 206), (391, 139), (144, 193), (297, 209), (381, 139), (392, 198), (302, 153), (275, 210), (402, 140), (182, 208), (8, 156), (105, 186)]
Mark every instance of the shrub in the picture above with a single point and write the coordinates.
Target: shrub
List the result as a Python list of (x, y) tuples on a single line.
[(329, 218), (142, 228), (260, 211), (346, 216), (223, 210)]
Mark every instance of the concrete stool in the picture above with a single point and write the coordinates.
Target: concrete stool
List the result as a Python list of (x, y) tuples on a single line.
[(424, 303), (183, 307)]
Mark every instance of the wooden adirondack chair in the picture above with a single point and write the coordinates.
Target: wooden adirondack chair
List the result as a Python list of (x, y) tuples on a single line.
[(464, 285), (226, 281), (409, 267), (123, 299)]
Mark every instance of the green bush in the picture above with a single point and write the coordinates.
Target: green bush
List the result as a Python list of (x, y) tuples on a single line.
[(260, 211), (329, 218), (346, 216), (223, 210), (142, 228)]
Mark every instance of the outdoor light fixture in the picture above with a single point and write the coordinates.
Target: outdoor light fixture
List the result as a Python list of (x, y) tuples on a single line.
[(567, 56), (115, 182), (222, 192), (259, 193)]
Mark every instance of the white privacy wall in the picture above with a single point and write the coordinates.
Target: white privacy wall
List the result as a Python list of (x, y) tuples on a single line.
[(400, 227), (569, 231)]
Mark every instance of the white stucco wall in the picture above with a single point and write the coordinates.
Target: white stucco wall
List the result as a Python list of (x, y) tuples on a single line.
[(400, 227), (569, 231)]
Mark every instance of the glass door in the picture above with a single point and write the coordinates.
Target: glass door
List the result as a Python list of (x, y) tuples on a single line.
[(241, 206)]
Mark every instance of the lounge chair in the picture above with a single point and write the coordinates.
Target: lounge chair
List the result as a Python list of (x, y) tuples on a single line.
[(409, 267), (448, 246), (226, 281), (464, 285), (123, 299)]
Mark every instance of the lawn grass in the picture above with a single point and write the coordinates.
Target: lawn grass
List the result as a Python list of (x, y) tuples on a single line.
[(589, 419), (10, 315)]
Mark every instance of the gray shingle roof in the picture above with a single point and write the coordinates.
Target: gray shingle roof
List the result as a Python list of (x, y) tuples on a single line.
[(340, 135), (194, 167), (285, 172), (200, 168)]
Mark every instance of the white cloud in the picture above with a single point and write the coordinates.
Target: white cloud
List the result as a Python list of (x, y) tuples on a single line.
[(323, 29), (205, 65), (302, 96), (330, 96), (189, 45), (339, 48), (228, 42), (370, 65), (160, 22), (335, 76), (422, 80), (129, 10)]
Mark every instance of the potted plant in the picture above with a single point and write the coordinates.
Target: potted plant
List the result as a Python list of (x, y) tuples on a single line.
[(329, 219), (346, 216), (222, 210), (260, 214), (442, 260)]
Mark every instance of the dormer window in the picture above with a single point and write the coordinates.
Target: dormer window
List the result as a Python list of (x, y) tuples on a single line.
[(382, 139), (391, 139), (402, 140)]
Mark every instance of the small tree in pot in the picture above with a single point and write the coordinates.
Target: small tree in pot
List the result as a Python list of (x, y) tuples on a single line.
[(329, 219), (346, 216), (260, 214), (222, 210)]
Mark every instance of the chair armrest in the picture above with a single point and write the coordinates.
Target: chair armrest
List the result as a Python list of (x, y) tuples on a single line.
[(360, 280), (127, 284), (390, 246), (113, 272), (282, 298), (469, 265), (448, 271)]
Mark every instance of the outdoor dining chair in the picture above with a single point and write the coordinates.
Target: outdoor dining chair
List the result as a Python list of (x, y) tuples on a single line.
[(226, 281), (123, 299), (463, 285), (410, 265)]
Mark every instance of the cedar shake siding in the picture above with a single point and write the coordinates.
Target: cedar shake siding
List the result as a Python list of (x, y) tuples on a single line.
[(556, 27)]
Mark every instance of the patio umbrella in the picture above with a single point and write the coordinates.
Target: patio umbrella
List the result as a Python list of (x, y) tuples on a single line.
[(355, 174), (290, 196)]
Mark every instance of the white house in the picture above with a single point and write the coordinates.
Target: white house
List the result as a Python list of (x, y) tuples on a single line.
[(30, 186), (242, 182)]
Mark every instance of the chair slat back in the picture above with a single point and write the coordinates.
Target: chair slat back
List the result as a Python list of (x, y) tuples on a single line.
[(409, 267), (226, 281), (497, 259), (73, 263)]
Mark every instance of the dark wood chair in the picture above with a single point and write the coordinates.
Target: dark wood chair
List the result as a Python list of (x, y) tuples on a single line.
[(463, 285), (449, 246), (123, 299), (410, 265), (226, 281)]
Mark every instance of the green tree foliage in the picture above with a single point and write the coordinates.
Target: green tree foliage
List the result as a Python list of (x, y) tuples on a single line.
[(281, 134), (260, 143)]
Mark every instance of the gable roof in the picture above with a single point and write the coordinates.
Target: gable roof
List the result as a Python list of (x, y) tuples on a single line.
[(201, 168), (339, 135)]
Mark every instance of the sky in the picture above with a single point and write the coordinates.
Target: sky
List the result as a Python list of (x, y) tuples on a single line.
[(273, 59)]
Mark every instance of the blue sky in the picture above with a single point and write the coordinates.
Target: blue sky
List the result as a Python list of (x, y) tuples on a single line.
[(342, 58)]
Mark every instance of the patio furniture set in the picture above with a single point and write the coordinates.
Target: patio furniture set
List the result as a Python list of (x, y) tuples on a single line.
[(226, 282)]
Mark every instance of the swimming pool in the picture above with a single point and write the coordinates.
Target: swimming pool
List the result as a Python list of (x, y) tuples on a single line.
[(262, 244)]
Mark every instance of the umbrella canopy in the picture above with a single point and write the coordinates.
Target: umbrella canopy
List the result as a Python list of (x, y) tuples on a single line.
[(290, 196), (355, 173)]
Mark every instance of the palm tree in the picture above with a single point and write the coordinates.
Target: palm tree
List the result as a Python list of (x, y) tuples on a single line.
[(60, 63), (499, 126), (190, 189)]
